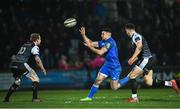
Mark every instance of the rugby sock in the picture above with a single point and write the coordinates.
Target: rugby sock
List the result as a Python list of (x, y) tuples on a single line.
[(123, 81), (134, 96), (168, 83), (35, 89), (158, 83), (93, 90), (134, 88), (10, 91)]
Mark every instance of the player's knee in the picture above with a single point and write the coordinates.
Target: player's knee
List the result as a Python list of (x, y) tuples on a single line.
[(114, 87), (36, 79), (34, 76), (98, 81), (132, 76), (17, 82)]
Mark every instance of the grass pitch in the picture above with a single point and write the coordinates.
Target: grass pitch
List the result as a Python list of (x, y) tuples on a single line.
[(149, 98)]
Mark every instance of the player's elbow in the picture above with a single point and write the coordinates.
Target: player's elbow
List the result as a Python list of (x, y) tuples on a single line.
[(37, 59), (139, 46), (100, 53)]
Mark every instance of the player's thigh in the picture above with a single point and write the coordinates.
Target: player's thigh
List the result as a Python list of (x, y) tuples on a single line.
[(135, 72), (114, 75), (31, 74), (102, 74), (15, 73), (148, 78), (139, 68)]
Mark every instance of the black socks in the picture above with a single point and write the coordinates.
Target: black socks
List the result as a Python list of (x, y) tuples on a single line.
[(158, 83), (35, 90), (133, 85), (10, 91)]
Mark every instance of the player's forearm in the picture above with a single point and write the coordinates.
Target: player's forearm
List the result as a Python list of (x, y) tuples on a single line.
[(137, 52), (86, 39), (97, 51), (39, 63)]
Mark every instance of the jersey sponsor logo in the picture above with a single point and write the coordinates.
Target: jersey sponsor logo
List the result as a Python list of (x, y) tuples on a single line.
[(114, 78), (108, 45), (137, 39)]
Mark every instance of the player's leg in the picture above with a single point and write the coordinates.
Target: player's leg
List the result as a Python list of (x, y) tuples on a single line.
[(14, 86), (95, 87), (148, 78), (31, 74), (115, 82), (136, 71)]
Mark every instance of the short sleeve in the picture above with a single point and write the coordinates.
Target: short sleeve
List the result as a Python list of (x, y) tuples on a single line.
[(108, 45), (35, 50), (136, 38), (101, 44)]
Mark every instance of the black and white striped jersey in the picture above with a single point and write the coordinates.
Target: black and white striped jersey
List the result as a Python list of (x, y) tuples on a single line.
[(145, 53)]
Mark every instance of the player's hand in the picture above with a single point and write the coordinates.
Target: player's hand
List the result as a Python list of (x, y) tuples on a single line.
[(44, 71), (132, 60), (82, 31)]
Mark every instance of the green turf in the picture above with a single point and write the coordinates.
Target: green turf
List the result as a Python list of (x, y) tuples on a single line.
[(157, 98)]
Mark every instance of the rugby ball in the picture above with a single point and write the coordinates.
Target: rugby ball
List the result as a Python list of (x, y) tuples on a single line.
[(70, 22)]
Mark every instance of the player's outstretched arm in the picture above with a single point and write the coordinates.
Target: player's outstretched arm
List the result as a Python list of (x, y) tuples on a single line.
[(97, 51), (40, 64), (86, 39)]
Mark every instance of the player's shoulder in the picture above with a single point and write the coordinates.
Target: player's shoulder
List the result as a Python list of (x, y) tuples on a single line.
[(29, 44), (111, 42), (35, 50), (136, 37), (35, 47)]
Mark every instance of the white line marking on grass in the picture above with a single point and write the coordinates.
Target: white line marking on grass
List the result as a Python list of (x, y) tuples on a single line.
[(101, 97), (68, 102)]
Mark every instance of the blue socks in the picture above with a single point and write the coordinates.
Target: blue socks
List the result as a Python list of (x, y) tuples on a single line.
[(124, 81), (93, 90)]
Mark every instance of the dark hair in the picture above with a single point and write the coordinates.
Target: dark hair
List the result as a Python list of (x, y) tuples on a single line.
[(106, 29), (130, 26), (34, 37)]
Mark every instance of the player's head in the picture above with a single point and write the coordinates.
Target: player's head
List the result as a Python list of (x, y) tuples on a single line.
[(36, 38), (130, 29), (105, 33)]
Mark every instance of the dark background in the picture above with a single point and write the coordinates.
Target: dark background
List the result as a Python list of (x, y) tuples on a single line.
[(157, 20)]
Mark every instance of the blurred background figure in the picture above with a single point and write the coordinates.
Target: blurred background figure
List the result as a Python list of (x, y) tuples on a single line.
[(62, 63)]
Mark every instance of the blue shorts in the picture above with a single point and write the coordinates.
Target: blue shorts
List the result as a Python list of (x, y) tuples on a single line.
[(113, 73)]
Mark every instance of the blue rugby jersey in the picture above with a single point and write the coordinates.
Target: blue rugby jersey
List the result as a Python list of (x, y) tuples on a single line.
[(111, 56)]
